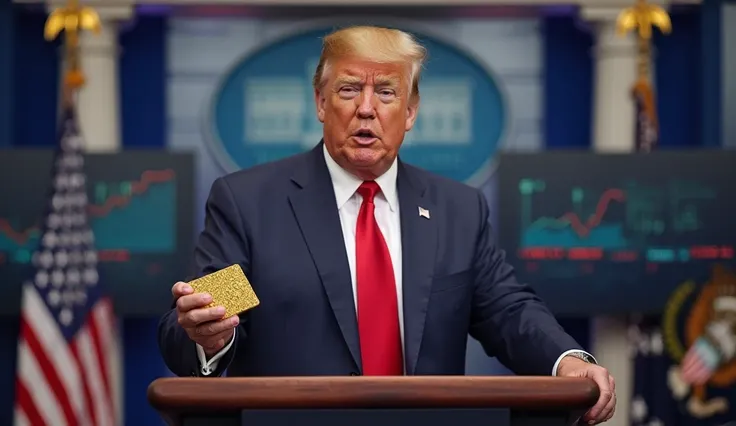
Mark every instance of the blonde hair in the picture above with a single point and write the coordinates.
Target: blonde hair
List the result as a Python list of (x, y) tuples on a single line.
[(376, 44)]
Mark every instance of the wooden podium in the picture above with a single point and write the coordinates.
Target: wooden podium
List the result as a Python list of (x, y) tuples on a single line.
[(359, 401)]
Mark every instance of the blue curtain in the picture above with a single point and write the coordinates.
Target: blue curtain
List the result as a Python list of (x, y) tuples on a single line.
[(37, 83), (6, 72)]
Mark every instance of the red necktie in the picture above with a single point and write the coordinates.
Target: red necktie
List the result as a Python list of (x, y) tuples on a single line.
[(378, 313)]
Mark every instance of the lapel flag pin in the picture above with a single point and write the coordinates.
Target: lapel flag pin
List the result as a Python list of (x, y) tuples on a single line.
[(423, 212)]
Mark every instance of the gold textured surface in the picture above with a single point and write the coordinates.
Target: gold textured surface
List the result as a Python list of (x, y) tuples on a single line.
[(229, 288)]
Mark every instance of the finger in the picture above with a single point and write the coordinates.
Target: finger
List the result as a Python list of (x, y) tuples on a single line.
[(181, 289), (216, 327), (193, 301), (608, 411), (218, 341), (612, 384), (198, 316), (600, 377)]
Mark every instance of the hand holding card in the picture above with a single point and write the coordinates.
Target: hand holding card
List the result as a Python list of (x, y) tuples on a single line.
[(207, 307), (229, 288)]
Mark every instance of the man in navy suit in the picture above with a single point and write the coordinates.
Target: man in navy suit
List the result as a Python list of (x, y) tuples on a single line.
[(363, 264)]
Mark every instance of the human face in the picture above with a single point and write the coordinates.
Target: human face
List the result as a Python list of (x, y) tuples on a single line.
[(366, 110)]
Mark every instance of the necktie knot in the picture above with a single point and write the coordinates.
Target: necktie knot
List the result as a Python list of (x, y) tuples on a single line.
[(368, 190)]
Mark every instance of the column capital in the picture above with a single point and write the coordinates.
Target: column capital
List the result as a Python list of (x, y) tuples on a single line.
[(607, 40), (608, 11), (599, 13), (108, 10)]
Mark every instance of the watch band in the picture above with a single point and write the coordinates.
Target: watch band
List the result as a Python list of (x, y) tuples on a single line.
[(584, 356)]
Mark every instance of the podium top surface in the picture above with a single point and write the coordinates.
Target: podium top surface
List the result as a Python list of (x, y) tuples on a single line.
[(235, 393)]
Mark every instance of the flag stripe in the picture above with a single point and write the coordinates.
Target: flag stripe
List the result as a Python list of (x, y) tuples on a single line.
[(41, 394), (49, 372), (99, 348), (21, 419), (103, 313), (26, 412), (91, 417), (52, 342), (87, 352)]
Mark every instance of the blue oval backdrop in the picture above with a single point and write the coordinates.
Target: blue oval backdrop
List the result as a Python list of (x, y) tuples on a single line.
[(264, 110)]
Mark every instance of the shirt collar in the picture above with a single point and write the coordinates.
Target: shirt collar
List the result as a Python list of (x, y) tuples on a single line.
[(345, 183)]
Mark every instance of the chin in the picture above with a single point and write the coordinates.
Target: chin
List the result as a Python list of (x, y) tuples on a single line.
[(365, 156)]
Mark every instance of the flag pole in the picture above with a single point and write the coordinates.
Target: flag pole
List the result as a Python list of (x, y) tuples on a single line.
[(641, 18), (72, 19)]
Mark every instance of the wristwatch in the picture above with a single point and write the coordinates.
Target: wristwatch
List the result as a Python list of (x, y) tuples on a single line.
[(584, 356)]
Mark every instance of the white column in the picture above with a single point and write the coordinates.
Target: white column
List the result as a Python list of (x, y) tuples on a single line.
[(615, 73), (613, 131), (99, 99)]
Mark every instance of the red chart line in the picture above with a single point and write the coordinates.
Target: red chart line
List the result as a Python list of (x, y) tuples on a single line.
[(582, 229)]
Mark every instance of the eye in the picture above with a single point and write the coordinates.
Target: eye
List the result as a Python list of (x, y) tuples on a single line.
[(348, 92), (386, 92)]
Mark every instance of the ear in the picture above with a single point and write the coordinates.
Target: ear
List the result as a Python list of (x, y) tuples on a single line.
[(411, 113), (320, 100)]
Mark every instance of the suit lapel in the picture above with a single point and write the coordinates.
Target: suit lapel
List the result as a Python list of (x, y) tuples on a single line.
[(419, 247), (314, 207)]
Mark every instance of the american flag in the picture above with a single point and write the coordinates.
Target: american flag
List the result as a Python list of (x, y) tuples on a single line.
[(69, 367)]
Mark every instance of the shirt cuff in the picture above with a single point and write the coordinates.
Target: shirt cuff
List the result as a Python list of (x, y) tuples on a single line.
[(566, 353), (207, 367)]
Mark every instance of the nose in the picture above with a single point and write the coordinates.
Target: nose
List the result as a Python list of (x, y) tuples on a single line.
[(366, 109)]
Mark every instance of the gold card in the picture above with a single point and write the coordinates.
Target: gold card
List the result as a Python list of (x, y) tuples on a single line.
[(229, 288)]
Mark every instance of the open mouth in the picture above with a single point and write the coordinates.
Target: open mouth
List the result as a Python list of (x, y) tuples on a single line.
[(367, 134), (364, 137)]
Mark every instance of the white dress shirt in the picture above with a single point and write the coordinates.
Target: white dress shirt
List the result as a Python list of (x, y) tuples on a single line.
[(348, 205)]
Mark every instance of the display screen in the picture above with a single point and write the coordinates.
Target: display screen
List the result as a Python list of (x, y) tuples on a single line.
[(616, 233), (140, 211)]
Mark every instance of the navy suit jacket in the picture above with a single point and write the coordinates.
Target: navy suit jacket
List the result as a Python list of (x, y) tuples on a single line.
[(280, 222)]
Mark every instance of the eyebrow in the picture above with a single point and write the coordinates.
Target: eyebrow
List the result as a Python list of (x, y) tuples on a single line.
[(380, 80)]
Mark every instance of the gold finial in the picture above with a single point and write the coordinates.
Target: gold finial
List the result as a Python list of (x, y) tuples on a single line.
[(72, 19), (643, 16)]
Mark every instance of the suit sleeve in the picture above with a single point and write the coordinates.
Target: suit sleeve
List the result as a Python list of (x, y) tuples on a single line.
[(509, 320), (222, 243)]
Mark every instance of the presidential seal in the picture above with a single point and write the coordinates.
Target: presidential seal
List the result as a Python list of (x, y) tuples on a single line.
[(699, 328)]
